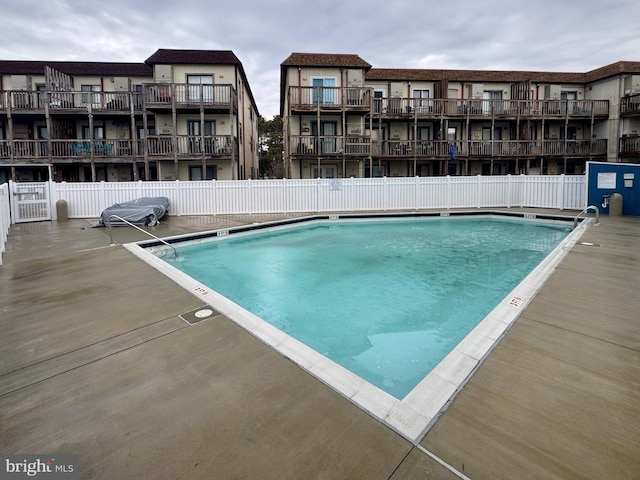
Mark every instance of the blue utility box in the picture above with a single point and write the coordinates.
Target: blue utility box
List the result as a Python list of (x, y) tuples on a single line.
[(605, 179)]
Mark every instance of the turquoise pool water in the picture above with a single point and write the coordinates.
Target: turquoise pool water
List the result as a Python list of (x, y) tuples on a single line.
[(387, 300)]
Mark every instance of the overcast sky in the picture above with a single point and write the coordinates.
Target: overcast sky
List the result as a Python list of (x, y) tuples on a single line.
[(545, 35)]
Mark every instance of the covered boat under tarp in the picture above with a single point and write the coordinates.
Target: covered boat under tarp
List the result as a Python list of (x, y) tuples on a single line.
[(145, 211)]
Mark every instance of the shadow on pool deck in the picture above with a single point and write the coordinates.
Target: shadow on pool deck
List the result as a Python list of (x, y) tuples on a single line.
[(96, 362)]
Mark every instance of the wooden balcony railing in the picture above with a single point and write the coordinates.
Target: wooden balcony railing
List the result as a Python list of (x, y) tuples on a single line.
[(403, 149), (187, 146), (630, 146), (190, 145), (424, 107), (630, 104), (330, 145), (190, 95), (156, 95), (330, 97), (59, 101), (489, 148)]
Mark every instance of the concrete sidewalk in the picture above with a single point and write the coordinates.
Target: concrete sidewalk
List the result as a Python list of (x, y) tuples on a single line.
[(96, 362)]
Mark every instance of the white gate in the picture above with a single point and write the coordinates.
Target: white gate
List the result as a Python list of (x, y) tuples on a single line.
[(30, 202)]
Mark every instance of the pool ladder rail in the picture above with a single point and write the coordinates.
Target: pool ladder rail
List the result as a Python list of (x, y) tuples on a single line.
[(175, 253), (575, 220)]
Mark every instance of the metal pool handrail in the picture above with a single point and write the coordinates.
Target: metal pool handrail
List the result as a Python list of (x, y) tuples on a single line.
[(575, 220), (175, 253)]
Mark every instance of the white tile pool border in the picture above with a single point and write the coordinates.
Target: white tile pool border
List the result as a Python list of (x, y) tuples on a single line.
[(412, 416)]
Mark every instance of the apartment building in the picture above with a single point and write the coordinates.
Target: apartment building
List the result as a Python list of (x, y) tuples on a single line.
[(180, 115), (344, 118)]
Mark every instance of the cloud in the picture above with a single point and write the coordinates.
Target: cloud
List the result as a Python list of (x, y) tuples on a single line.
[(493, 34)]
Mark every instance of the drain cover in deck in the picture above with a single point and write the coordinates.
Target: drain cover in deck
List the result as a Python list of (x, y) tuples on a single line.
[(199, 314)]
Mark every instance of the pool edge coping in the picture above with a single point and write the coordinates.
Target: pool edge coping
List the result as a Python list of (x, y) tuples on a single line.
[(417, 412)]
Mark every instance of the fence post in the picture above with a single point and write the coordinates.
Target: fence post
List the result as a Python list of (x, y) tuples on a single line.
[(509, 190), (53, 198), (103, 194), (521, 189), (284, 196), (478, 190), (561, 193), (385, 192)]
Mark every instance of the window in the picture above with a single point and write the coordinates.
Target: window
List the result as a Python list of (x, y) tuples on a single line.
[(378, 96), (327, 135), (419, 102), (98, 132), (323, 90), (376, 172), (487, 97), (93, 98), (200, 87), (195, 137), (323, 171), (195, 172)]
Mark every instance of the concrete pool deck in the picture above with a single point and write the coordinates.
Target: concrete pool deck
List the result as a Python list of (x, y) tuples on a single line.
[(96, 362)]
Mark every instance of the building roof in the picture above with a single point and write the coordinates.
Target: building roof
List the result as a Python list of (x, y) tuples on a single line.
[(612, 69), (190, 57), (26, 67), (404, 74), (408, 74), (325, 60)]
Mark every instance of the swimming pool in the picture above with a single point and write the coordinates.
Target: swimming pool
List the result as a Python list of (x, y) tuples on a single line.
[(408, 404)]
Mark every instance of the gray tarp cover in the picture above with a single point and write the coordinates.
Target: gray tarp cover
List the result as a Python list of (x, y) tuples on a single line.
[(141, 211)]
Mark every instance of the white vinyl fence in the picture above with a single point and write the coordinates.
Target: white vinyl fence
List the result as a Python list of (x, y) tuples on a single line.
[(87, 200), (5, 217)]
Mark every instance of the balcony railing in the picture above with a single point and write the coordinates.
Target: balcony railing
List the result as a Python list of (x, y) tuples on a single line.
[(630, 104), (488, 148), (302, 145), (190, 95), (425, 107), (185, 145), (330, 97), (59, 101), (330, 145), (190, 145), (630, 146), (156, 95)]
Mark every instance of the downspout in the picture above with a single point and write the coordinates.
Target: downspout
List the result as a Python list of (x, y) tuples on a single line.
[(237, 123), (344, 121)]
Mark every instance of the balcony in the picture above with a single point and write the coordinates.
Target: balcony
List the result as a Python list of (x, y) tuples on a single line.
[(331, 145), (70, 151), (630, 105), (473, 108), (69, 102), (156, 96), (329, 98), (406, 149), (190, 146), (189, 96), (630, 146)]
